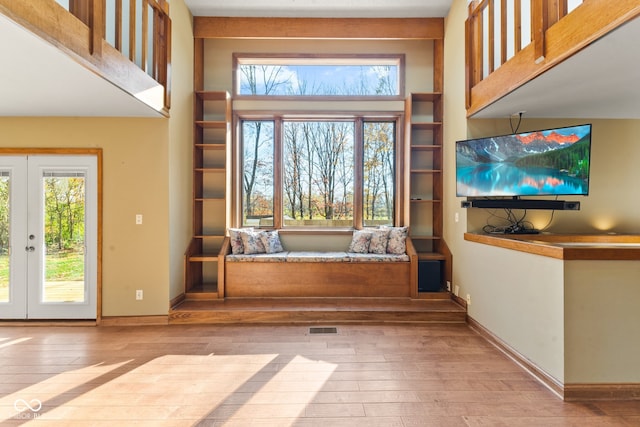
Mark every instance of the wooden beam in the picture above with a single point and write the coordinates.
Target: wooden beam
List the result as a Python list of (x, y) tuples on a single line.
[(567, 37), (319, 28)]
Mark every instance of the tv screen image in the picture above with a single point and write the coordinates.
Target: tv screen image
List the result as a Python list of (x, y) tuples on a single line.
[(550, 162)]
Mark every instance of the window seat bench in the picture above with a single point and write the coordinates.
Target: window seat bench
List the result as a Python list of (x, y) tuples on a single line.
[(317, 274)]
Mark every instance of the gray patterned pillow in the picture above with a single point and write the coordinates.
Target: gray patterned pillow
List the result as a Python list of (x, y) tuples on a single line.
[(252, 242), (379, 240), (360, 241), (271, 242), (397, 240), (236, 240)]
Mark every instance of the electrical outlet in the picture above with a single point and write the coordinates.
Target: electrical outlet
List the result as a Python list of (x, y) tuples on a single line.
[(139, 294), (448, 286), (456, 217), (138, 219), (456, 290), (468, 299)]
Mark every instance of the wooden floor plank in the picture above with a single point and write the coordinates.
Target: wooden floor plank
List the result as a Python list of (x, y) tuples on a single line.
[(277, 375)]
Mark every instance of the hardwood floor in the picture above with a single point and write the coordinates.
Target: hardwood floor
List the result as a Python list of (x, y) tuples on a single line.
[(248, 375)]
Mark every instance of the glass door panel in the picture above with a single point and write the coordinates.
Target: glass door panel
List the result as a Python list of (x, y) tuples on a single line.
[(64, 220), (62, 281), (13, 255), (5, 228)]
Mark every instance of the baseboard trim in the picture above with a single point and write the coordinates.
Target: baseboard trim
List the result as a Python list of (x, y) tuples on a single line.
[(177, 300), (134, 320), (567, 392), (601, 391), (545, 379)]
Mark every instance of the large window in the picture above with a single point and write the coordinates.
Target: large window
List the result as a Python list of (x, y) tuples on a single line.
[(318, 173), (328, 165)]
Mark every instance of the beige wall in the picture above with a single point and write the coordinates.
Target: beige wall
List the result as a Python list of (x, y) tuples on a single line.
[(180, 144), (602, 318), (135, 181)]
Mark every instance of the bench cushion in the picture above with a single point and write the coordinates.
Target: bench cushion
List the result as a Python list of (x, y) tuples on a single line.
[(378, 258), (275, 257), (312, 256)]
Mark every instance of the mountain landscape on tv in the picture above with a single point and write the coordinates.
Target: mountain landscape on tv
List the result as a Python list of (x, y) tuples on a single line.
[(550, 162)]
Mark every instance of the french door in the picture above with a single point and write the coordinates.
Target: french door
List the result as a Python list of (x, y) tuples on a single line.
[(48, 237)]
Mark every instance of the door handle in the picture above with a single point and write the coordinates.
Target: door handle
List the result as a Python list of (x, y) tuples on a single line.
[(30, 249)]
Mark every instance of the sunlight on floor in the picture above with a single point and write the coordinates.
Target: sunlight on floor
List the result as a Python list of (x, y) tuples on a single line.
[(22, 404), (16, 341), (221, 387)]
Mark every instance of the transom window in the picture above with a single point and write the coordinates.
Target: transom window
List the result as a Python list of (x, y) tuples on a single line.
[(319, 76), (318, 173)]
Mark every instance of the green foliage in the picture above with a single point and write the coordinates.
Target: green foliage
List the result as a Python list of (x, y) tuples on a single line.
[(4, 215), (573, 159), (64, 217)]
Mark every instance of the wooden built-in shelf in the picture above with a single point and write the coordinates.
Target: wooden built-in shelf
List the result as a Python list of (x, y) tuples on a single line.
[(426, 96), (211, 124), (220, 147), (428, 256), (425, 201), (426, 171), (426, 125), (210, 170), (206, 95), (431, 147)]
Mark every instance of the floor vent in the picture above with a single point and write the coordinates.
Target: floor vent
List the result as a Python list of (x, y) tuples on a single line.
[(323, 330)]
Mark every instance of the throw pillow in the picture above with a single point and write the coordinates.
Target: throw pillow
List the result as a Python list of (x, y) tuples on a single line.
[(397, 240), (271, 242), (360, 241), (252, 242), (236, 240), (379, 240)]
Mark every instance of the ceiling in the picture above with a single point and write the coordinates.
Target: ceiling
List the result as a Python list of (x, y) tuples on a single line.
[(321, 8), (600, 84)]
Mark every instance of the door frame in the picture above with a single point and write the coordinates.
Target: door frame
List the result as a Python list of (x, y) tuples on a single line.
[(97, 152)]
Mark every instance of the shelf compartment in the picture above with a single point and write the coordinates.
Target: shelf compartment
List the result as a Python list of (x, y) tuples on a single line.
[(426, 125), (426, 96), (211, 124), (426, 147)]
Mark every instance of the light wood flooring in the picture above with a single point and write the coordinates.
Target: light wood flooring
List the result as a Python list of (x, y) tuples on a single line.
[(244, 375)]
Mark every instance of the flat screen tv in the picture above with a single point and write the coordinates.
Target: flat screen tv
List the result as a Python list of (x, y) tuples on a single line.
[(550, 162)]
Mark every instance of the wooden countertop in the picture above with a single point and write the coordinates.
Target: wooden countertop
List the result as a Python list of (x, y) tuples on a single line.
[(623, 247)]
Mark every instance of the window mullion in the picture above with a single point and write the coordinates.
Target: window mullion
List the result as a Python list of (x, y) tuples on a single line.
[(278, 196), (358, 195)]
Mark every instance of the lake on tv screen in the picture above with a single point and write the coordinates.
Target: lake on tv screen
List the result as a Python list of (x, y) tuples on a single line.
[(506, 179)]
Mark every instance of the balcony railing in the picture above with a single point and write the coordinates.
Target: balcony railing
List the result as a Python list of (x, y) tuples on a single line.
[(111, 35), (509, 42)]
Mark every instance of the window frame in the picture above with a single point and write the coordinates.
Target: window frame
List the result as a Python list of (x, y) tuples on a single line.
[(271, 58), (278, 117)]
